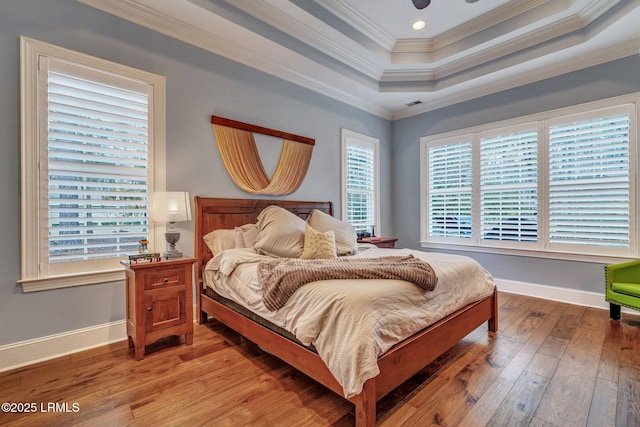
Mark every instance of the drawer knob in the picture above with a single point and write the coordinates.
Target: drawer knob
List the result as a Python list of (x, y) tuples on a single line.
[(149, 308), (166, 280)]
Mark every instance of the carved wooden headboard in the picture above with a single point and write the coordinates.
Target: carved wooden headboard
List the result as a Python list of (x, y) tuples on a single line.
[(214, 214)]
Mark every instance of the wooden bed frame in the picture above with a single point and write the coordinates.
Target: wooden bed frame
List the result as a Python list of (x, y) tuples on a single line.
[(396, 366)]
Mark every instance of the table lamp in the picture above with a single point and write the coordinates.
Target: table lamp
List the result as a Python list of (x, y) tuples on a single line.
[(171, 207)]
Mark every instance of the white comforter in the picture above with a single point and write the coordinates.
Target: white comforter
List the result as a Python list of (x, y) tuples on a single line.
[(352, 322)]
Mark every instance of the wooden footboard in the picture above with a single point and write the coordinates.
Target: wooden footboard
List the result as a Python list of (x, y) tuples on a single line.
[(397, 365)]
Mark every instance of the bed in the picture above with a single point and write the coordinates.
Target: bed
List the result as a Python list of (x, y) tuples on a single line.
[(395, 365)]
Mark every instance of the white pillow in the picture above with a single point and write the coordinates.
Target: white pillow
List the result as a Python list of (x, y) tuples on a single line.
[(280, 233), (219, 240), (346, 238), (318, 245)]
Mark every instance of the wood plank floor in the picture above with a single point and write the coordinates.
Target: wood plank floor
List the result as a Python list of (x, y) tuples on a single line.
[(551, 364)]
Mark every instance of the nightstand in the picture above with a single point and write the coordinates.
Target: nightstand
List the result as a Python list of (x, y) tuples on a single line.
[(159, 301), (381, 242)]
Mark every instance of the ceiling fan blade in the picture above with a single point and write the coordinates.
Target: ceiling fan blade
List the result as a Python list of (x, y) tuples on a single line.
[(421, 4)]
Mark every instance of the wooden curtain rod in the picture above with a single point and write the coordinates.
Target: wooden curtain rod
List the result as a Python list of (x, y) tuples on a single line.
[(258, 129)]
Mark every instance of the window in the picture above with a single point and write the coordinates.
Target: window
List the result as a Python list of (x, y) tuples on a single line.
[(561, 182), (450, 189), (90, 147), (589, 181), (509, 184), (360, 205)]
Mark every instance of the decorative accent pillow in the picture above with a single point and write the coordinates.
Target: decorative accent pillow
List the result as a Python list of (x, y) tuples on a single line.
[(318, 245), (280, 233), (246, 235), (219, 240), (346, 238)]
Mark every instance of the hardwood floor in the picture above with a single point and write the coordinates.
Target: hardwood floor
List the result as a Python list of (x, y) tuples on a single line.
[(551, 364)]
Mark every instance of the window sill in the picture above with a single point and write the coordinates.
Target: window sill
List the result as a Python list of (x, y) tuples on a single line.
[(601, 259), (70, 280)]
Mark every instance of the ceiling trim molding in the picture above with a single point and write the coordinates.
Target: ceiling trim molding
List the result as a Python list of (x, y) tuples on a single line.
[(515, 44), (309, 35), (427, 48), (485, 70), (360, 23), (468, 29), (491, 53), (595, 9), (518, 79), (171, 26)]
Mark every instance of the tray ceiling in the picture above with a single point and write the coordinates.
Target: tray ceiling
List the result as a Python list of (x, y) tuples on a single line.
[(366, 54)]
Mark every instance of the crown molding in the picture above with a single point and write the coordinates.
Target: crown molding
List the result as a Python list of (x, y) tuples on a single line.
[(470, 28), (451, 80), (363, 25), (521, 78), (518, 43), (596, 8), (305, 32), (426, 47), (488, 54), (207, 40)]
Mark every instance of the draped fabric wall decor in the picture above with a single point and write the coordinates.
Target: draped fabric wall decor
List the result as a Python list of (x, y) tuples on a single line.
[(240, 155)]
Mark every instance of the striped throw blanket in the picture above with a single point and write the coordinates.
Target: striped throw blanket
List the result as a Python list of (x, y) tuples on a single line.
[(280, 277)]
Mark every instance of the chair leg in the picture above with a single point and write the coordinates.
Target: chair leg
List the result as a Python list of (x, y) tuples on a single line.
[(614, 311)]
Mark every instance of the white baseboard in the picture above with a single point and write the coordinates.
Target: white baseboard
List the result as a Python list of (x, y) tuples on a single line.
[(571, 296), (24, 353), (554, 293)]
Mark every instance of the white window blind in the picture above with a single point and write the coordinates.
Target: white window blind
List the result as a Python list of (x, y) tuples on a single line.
[(97, 164), (450, 190), (360, 187), (559, 184), (589, 186), (360, 181), (92, 152), (509, 186)]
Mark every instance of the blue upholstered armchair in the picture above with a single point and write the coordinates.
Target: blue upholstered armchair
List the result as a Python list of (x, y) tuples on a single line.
[(622, 286)]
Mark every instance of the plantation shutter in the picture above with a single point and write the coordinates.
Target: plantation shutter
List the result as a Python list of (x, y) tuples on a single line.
[(509, 186), (360, 186), (589, 187), (450, 190), (98, 163)]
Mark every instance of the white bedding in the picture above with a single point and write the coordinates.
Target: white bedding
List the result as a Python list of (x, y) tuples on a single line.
[(352, 322)]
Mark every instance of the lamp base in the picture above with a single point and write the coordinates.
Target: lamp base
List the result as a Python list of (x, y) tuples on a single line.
[(172, 238), (172, 254)]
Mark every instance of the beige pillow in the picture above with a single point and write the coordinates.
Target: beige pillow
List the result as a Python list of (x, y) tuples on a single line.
[(346, 238), (318, 245), (219, 240), (246, 235), (280, 233)]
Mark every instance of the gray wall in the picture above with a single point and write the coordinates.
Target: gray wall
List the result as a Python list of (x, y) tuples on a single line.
[(595, 83), (199, 84)]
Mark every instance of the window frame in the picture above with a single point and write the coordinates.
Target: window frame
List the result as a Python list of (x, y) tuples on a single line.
[(525, 126), (347, 138), (464, 138), (542, 249), (34, 276)]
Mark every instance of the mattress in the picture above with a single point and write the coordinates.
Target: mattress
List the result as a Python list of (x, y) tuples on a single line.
[(351, 323)]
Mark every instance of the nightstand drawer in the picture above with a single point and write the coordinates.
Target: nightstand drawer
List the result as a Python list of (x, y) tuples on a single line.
[(164, 278)]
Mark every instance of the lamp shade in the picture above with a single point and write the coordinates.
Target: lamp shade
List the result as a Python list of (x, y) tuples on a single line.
[(170, 206)]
